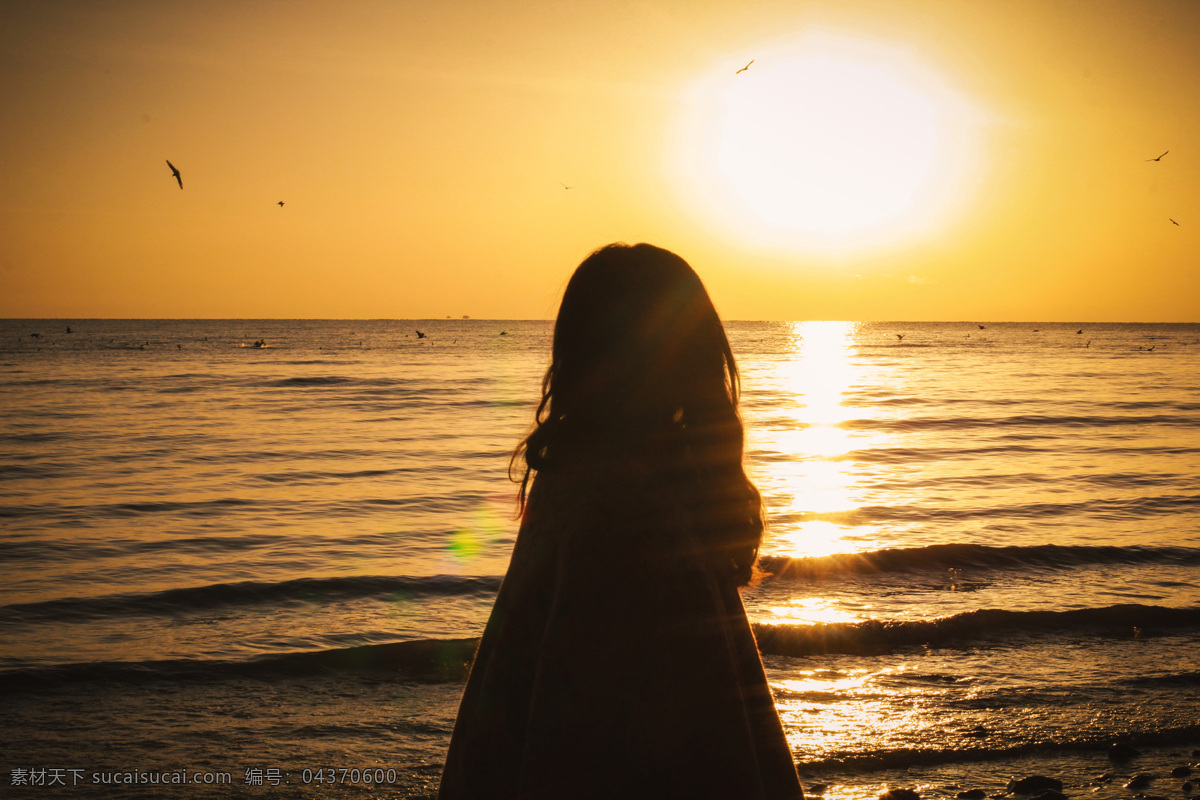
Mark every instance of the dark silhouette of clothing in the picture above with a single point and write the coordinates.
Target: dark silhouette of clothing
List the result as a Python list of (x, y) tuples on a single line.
[(616, 662)]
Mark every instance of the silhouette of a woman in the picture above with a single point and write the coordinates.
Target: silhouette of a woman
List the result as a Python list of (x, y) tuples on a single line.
[(618, 661)]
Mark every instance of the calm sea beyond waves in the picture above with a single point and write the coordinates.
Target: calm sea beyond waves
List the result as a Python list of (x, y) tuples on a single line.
[(251, 558)]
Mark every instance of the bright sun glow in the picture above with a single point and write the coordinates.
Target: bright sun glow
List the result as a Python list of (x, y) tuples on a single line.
[(827, 145), (831, 141)]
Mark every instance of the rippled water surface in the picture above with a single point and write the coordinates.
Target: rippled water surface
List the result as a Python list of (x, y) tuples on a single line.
[(984, 538)]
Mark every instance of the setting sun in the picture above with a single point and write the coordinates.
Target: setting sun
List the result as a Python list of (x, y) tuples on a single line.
[(834, 137), (827, 145)]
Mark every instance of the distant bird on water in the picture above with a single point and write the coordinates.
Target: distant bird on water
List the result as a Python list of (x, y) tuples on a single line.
[(1173, 222), (743, 69), (175, 173), (981, 327), (420, 335), (1079, 331), (280, 204), (1160, 157)]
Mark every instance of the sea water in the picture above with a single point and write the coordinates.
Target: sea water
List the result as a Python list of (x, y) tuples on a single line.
[(251, 558)]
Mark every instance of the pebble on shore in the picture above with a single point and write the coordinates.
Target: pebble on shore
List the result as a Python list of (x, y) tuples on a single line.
[(1122, 752), (1034, 784), (1139, 781), (899, 794)]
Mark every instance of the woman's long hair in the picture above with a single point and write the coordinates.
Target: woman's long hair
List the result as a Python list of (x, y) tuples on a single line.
[(642, 376)]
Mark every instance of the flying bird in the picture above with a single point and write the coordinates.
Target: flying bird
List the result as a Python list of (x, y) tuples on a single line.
[(1173, 222), (175, 173), (280, 204), (563, 185), (420, 334), (743, 69), (1160, 157)]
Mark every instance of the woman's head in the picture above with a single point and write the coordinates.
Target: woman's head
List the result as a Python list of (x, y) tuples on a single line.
[(641, 373), (636, 342)]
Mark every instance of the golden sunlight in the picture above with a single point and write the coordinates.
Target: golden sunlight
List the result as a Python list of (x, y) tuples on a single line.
[(827, 145), (811, 611), (835, 141), (807, 481)]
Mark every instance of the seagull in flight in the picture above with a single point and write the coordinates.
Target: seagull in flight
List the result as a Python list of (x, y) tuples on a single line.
[(175, 173), (280, 204), (1160, 157), (1173, 222), (560, 183), (743, 69)]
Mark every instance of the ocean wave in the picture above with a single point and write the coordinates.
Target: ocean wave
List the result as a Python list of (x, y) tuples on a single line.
[(313, 380), (903, 758), (36, 437), (36, 471), (317, 477), (91, 513), (423, 661), (1106, 508), (444, 660), (919, 455), (1189, 678), (1054, 423), (875, 638), (246, 593), (943, 557), (314, 361)]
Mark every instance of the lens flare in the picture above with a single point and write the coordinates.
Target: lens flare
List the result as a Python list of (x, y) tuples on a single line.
[(471, 542)]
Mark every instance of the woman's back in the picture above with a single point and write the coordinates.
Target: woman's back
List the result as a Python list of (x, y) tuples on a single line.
[(618, 660), (615, 664)]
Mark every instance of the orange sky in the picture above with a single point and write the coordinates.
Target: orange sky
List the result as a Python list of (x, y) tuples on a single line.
[(420, 149)]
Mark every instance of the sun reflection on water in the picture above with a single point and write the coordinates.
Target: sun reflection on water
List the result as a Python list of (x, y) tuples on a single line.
[(810, 611), (828, 682), (804, 456), (812, 539), (810, 485)]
